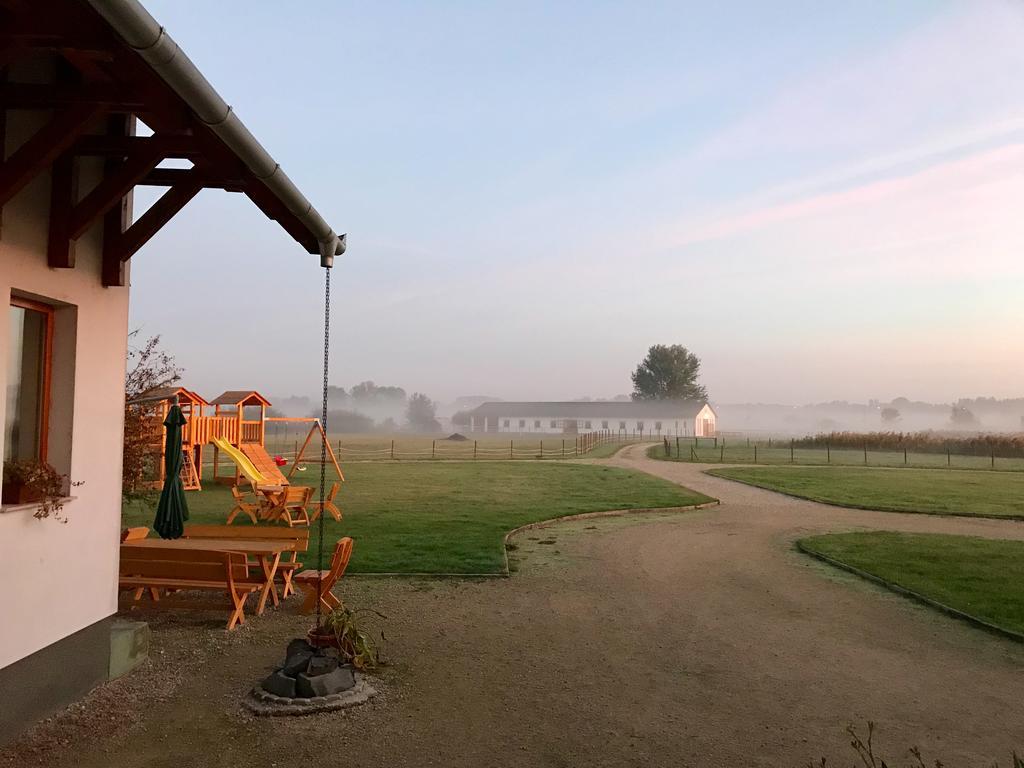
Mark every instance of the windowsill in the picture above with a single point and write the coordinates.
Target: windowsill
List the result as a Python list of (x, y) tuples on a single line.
[(32, 506)]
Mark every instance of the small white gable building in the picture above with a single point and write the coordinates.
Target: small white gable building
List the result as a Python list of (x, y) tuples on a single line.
[(687, 418)]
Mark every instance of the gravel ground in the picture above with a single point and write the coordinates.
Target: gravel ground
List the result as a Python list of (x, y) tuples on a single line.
[(698, 638)]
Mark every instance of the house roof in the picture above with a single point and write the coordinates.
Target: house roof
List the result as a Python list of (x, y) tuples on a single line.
[(619, 409), (240, 397), (159, 394), (116, 64)]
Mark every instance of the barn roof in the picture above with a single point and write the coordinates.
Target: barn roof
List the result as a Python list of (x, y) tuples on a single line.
[(240, 397), (622, 409)]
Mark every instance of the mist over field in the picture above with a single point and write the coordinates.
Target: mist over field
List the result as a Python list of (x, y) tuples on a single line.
[(821, 201)]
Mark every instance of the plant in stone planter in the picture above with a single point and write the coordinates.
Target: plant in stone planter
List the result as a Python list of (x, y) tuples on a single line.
[(31, 481), (344, 628)]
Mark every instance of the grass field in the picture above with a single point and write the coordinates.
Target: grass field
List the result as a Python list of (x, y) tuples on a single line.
[(740, 453), (285, 439), (981, 577), (451, 517), (931, 491)]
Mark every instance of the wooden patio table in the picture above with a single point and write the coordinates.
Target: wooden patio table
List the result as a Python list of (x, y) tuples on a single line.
[(266, 551)]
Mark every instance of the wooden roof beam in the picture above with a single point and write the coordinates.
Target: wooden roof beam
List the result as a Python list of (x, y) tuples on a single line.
[(162, 211), (44, 147), (178, 146), (27, 96), (108, 192)]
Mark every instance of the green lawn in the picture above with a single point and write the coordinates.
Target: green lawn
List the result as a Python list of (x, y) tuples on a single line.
[(931, 491), (434, 517), (981, 577), (606, 451)]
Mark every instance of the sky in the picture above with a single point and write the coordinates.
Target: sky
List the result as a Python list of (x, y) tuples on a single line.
[(821, 200)]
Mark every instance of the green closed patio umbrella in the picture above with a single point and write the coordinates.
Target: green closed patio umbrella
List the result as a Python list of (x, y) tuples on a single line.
[(172, 512)]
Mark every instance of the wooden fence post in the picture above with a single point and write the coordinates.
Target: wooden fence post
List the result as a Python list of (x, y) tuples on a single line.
[(993, 459), (792, 460), (865, 453), (678, 455), (433, 449), (542, 449), (510, 454), (563, 448), (755, 453), (474, 449), (392, 449), (949, 458), (904, 455), (721, 454), (828, 453)]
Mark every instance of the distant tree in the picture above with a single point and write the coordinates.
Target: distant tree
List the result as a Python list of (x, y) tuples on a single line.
[(148, 367), (421, 414), (368, 393), (389, 426), (348, 421), (890, 414), (460, 418), (668, 373), (963, 417)]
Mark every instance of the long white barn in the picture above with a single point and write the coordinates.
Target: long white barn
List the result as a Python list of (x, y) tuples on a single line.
[(641, 417)]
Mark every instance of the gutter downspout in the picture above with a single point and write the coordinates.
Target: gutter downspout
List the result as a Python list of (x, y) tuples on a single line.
[(142, 32)]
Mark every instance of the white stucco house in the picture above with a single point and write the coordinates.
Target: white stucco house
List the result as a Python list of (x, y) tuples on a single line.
[(75, 76), (654, 418)]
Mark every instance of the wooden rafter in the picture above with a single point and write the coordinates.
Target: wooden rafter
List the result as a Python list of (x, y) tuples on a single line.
[(161, 212), (113, 271), (36, 154), (169, 177), (181, 146), (60, 249), (113, 187), (108, 96)]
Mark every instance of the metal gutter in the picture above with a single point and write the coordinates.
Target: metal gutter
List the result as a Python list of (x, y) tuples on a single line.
[(150, 40)]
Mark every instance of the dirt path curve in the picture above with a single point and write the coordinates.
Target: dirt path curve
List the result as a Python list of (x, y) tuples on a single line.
[(693, 639)]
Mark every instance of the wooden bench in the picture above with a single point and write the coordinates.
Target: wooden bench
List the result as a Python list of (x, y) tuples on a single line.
[(154, 568), (285, 568)]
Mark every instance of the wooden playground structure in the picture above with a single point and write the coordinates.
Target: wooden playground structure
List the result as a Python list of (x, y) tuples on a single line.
[(236, 431)]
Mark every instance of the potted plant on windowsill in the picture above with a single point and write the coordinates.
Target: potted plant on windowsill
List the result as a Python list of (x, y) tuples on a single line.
[(31, 481)]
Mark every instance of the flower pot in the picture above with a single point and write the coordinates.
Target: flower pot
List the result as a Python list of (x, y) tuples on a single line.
[(324, 638), (19, 493)]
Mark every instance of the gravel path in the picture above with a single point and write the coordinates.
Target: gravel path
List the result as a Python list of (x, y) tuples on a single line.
[(699, 639)]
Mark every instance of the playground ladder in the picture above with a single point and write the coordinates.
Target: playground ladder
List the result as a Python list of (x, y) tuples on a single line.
[(189, 476)]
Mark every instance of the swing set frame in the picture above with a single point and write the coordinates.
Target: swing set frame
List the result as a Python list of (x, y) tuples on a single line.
[(315, 426)]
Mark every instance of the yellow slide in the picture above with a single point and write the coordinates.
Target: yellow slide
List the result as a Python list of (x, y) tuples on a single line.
[(246, 467)]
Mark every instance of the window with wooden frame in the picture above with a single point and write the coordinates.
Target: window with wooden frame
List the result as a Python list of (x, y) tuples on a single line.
[(29, 362)]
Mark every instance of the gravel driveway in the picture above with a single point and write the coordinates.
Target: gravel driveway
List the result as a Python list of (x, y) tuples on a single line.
[(698, 638)]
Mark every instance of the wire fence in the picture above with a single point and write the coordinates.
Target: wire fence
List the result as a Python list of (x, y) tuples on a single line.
[(775, 452), (440, 449)]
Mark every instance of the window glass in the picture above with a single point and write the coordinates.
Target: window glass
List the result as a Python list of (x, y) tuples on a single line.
[(522, 423), (25, 419), (586, 425), (622, 425), (554, 423), (536, 423), (604, 425)]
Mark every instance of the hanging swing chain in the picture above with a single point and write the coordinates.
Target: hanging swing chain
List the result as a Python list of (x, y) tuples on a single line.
[(323, 447)]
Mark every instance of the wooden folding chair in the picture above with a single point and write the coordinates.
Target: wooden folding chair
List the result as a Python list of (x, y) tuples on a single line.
[(291, 506), (244, 504), (309, 581), (327, 505)]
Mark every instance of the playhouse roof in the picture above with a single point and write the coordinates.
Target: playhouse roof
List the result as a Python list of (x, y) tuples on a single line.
[(159, 394), (240, 397)]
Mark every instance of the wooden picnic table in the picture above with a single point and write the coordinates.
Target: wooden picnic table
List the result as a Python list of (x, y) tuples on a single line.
[(266, 551)]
